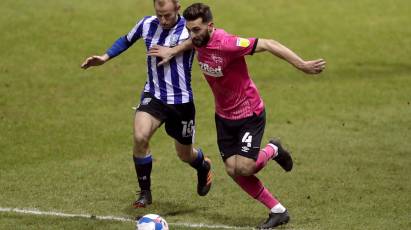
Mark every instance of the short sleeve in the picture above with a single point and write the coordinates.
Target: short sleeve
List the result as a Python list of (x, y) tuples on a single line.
[(238, 47)]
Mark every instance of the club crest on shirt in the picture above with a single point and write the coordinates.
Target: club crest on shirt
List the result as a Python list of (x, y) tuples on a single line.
[(217, 59), (174, 40), (242, 42)]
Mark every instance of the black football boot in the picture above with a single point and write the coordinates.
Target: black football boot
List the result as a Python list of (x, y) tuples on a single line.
[(143, 200), (283, 157), (204, 178), (274, 220)]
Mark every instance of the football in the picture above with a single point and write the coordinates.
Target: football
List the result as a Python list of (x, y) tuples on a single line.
[(151, 222)]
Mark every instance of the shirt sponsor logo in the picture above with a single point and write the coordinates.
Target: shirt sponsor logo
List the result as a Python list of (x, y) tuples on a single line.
[(210, 71), (242, 42)]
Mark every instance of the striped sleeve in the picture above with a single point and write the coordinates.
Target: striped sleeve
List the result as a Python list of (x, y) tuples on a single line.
[(137, 31), (124, 42)]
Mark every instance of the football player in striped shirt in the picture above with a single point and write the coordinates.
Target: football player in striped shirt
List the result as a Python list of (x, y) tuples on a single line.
[(167, 97), (240, 111)]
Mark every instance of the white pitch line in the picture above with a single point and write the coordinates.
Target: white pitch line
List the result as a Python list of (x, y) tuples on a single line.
[(110, 218), (60, 214)]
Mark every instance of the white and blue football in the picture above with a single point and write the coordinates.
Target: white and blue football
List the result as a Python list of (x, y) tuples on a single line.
[(151, 222)]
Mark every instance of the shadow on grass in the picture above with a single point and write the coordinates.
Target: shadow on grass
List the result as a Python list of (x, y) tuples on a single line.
[(163, 208), (233, 219)]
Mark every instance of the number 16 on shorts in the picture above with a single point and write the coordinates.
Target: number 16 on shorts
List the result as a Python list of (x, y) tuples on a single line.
[(188, 128)]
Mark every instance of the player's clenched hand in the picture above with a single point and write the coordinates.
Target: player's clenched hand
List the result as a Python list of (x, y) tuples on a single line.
[(313, 67), (165, 53), (94, 61)]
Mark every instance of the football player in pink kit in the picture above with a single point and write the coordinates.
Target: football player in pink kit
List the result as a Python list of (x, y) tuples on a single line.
[(240, 114)]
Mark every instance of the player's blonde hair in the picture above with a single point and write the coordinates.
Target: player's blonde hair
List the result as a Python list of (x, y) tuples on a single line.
[(161, 2)]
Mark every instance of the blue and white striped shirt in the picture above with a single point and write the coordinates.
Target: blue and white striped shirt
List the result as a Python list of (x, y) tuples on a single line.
[(171, 83)]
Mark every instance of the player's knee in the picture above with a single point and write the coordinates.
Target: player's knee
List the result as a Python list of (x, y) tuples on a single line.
[(244, 170), (140, 143), (140, 139), (230, 171)]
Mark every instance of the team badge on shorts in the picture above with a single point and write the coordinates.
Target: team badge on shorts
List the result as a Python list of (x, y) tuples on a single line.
[(146, 101), (242, 42)]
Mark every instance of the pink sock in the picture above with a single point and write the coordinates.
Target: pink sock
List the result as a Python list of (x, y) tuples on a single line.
[(253, 186), (264, 156), (267, 199)]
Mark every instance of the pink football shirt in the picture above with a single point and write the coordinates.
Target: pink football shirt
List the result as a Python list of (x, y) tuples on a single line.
[(223, 64)]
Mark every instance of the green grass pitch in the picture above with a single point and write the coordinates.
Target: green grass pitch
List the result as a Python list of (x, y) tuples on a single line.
[(66, 133)]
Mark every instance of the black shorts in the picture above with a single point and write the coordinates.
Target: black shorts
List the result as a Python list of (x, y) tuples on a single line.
[(240, 137), (179, 119)]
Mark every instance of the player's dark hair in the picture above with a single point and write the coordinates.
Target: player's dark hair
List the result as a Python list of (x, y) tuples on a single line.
[(198, 10)]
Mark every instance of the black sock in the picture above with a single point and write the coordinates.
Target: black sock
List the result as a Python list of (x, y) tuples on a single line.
[(143, 170)]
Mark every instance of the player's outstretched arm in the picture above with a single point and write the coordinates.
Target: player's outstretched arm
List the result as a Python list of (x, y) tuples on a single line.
[(95, 61), (279, 50), (166, 53), (119, 46)]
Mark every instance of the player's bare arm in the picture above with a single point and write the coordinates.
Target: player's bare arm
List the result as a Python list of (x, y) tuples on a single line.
[(95, 61), (279, 50), (166, 53)]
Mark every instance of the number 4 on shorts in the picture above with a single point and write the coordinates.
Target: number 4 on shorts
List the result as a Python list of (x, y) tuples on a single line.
[(247, 138)]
